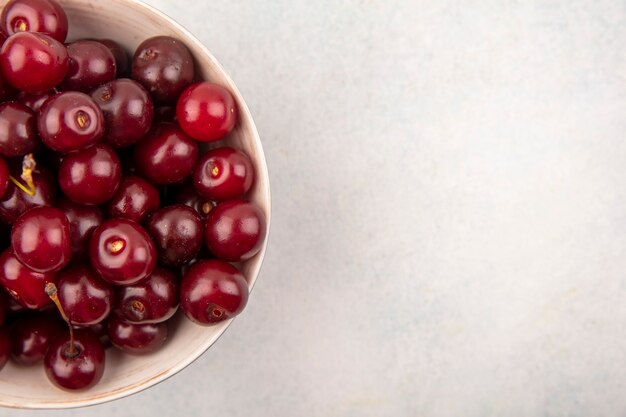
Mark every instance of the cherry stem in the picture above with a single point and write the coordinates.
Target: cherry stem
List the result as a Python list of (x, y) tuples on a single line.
[(51, 291), (28, 166)]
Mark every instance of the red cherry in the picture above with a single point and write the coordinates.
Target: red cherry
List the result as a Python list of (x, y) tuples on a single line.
[(86, 299), (136, 339), (31, 335), (44, 16), (25, 285), (223, 173)]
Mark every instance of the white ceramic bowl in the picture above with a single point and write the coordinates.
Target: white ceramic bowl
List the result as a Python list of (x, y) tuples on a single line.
[(129, 22)]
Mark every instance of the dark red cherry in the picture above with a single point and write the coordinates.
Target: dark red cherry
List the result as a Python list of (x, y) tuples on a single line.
[(41, 239), (83, 221), (90, 176), (152, 300), (164, 66), (122, 252), (188, 196), (16, 201), (166, 155), (135, 199), (44, 16), (102, 331), (34, 101), (4, 177), (177, 234), (86, 299), (91, 65), (122, 60), (25, 285), (18, 130), (31, 335), (223, 173), (207, 112), (5, 346), (70, 122), (212, 291), (235, 230), (33, 62), (78, 369), (128, 111), (137, 339)]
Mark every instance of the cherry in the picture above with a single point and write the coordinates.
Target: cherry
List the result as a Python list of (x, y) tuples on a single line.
[(41, 239), (166, 155), (153, 300), (101, 330), (83, 221), (75, 363), (235, 230), (34, 101), (188, 196), (223, 173), (44, 16), (177, 234), (164, 66), (122, 60), (90, 176), (5, 346), (86, 299), (31, 335), (212, 291), (91, 64), (25, 285), (122, 252), (135, 199), (18, 130), (17, 200), (136, 339), (4, 177), (70, 122), (128, 111), (33, 62), (207, 112)]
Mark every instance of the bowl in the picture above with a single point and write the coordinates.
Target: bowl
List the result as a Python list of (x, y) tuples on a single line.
[(129, 22)]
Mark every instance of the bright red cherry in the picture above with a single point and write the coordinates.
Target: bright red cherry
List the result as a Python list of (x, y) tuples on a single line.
[(90, 176), (137, 339), (135, 199), (33, 62), (41, 239), (31, 335), (212, 291), (83, 221), (86, 299), (235, 230), (207, 112), (223, 173), (18, 130), (122, 252), (25, 285), (44, 16), (152, 300)]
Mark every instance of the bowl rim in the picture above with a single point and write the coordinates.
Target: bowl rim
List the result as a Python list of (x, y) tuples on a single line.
[(259, 258)]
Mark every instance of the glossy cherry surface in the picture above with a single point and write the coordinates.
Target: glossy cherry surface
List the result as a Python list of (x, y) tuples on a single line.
[(122, 60), (15, 201), (90, 176), (235, 230), (177, 234), (4, 177), (152, 300), (167, 155), (223, 173), (44, 16), (91, 64), (85, 297), (83, 221), (212, 291), (33, 62), (128, 111), (136, 338), (18, 130), (5, 346), (188, 196), (41, 239), (34, 101), (122, 252), (164, 66), (75, 371), (135, 199), (26, 286), (70, 122), (207, 112), (31, 335)]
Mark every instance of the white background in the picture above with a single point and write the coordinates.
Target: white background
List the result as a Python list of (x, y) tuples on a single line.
[(449, 224)]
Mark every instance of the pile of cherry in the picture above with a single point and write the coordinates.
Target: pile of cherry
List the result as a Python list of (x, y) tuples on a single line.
[(111, 216)]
